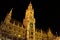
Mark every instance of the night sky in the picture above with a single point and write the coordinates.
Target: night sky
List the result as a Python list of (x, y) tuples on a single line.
[(47, 13)]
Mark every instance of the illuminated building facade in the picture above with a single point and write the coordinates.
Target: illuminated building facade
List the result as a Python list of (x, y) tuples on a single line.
[(14, 30)]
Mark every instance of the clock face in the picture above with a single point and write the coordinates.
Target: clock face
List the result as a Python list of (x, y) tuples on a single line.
[(31, 25)]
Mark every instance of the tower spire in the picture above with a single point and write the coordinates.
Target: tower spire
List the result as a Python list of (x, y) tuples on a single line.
[(30, 6), (29, 11), (8, 17)]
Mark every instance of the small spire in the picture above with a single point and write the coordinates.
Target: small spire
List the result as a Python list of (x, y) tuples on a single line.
[(49, 29), (10, 13), (18, 24), (49, 33)]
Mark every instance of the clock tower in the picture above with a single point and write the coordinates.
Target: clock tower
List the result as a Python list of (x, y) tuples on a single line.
[(29, 23)]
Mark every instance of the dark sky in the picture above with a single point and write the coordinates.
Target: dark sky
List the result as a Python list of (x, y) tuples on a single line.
[(46, 12)]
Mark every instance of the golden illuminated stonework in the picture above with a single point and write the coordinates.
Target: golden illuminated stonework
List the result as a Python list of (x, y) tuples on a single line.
[(14, 30)]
